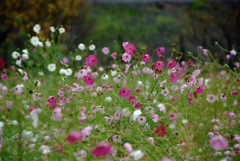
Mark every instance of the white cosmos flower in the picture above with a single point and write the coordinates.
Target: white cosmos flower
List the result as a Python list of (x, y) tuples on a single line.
[(25, 51), (105, 77), (81, 46), (138, 154), (52, 67), (37, 28), (136, 114), (45, 149), (48, 43), (40, 44), (78, 58), (62, 71), (68, 72), (52, 29), (25, 56), (61, 30), (34, 41), (15, 55), (92, 47), (19, 62), (113, 73), (108, 99)]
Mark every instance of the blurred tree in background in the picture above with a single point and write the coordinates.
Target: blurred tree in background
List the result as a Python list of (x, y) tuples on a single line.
[(18, 17)]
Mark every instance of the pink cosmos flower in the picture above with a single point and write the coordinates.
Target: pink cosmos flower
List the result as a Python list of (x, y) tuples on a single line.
[(32, 108), (126, 57), (137, 105), (167, 159), (172, 116), (161, 107), (117, 115), (128, 147), (102, 149), (105, 50), (75, 136), (211, 98), (218, 142), (205, 52), (4, 76), (9, 104), (200, 89), (124, 92), (172, 64), (174, 77), (130, 48), (127, 67), (160, 51), (52, 100), (145, 58), (155, 118), (88, 80), (57, 114), (116, 138), (141, 119), (132, 99), (159, 65), (91, 60), (17, 90), (114, 55)]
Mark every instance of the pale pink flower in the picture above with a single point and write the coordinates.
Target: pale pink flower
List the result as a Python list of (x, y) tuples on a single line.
[(141, 119), (211, 98), (17, 90), (57, 114), (218, 142), (128, 147), (117, 115), (155, 118), (116, 138), (162, 108), (105, 50), (233, 52), (126, 57)]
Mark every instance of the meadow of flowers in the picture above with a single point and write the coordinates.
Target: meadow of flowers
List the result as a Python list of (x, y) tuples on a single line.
[(96, 104)]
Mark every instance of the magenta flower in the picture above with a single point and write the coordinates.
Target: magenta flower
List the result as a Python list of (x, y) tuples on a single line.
[(159, 65), (172, 64), (137, 105), (102, 149), (200, 89), (52, 100), (126, 57), (4, 76), (75, 136), (160, 131), (88, 80), (130, 48), (91, 60), (160, 51), (145, 58), (132, 99), (124, 92), (218, 142), (174, 77)]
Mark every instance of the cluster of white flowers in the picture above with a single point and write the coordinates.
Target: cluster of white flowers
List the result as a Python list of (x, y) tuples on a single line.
[(19, 57), (66, 72), (36, 42)]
